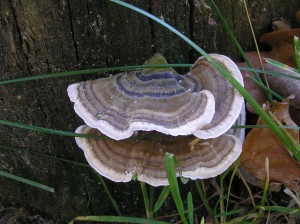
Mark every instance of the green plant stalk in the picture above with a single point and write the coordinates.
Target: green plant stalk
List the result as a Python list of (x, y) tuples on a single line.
[(266, 187), (161, 198), (236, 165), (257, 49), (281, 209), (190, 208), (297, 52), (222, 197), (116, 219), (151, 201), (146, 199), (267, 89), (270, 72), (226, 74), (26, 181), (92, 71), (112, 200), (233, 39), (45, 155), (203, 199), (49, 131), (279, 64), (288, 134), (230, 34), (173, 184), (265, 126)]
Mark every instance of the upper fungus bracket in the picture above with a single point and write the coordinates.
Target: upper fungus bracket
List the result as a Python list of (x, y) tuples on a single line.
[(162, 101)]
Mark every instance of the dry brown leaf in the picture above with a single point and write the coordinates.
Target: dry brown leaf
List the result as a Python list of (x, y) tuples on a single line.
[(281, 41), (262, 143)]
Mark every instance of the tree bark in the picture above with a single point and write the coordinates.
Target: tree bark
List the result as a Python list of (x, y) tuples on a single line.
[(39, 37)]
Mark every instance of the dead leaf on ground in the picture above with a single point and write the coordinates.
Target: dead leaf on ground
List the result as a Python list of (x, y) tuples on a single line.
[(281, 41), (262, 143)]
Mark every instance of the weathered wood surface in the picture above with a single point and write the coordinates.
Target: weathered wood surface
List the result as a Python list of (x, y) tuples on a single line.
[(38, 37)]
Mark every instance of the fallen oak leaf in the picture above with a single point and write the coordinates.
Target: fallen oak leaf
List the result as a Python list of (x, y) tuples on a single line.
[(263, 143)]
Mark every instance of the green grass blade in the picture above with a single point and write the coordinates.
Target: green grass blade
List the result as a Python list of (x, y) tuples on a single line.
[(233, 39), (265, 88), (112, 200), (233, 212), (203, 199), (236, 166), (49, 130), (26, 181), (281, 209), (226, 74), (92, 71), (146, 199), (270, 72), (116, 219), (265, 126), (190, 208), (281, 65), (297, 52), (266, 187), (151, 201), (161, 198), (5, 147), (170, 169), (202, 221)]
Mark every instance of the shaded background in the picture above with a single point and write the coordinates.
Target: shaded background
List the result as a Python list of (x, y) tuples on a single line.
[(38, 37)]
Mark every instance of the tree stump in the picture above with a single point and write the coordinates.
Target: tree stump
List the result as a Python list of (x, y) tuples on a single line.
[(39, 37)]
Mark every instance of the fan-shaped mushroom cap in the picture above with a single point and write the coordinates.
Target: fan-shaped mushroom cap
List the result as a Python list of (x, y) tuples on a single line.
[(228, 100), (143, 157), (163, 101)]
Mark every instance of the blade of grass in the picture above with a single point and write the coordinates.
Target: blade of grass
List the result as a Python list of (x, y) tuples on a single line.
[(190, 208), (151, 201), (161, 198), (233, 212), (297, 52), (257, 49), (146, 199), (266, 187), (281, 209), (265, 126), (281, 65), (225, 73), (267, 89), (26, 181), (236, 166), (116, 219), (49, 130), (203, 198), (271, 73), (112, 200), (288, 134), (45, 155), (233, 39), (92, 71), (170, 169)]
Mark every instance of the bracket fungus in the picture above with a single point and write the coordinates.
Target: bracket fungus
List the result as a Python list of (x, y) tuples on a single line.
[(201, 102), (143, 156), (198, 107)]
